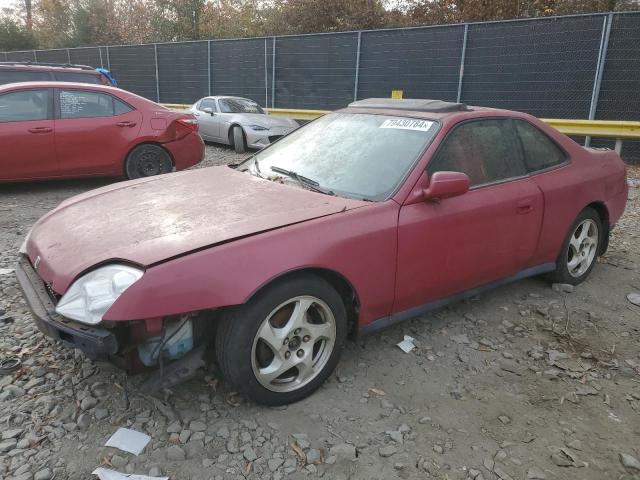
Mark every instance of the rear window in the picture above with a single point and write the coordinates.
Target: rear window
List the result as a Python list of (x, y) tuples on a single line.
[(77, 77), (14, 76)]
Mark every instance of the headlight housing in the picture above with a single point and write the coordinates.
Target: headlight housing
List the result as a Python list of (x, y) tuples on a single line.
[(89, 297), (258, 128)]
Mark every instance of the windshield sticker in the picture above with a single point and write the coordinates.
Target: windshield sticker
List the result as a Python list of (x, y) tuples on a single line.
[(407, 124)]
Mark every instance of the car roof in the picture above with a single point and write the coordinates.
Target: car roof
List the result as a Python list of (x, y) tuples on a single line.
[(54, 84), (47, 67)]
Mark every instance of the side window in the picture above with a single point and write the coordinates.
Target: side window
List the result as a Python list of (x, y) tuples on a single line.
[(77, 77), (208, 103), (485, 150), (13, 76), (25, 105), (120, 107), (540, 151), (85, 104)]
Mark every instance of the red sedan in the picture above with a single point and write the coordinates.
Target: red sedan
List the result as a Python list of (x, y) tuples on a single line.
[(365, 217), (55, 130)]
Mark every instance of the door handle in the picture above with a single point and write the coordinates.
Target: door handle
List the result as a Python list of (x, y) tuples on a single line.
[(41, 130), (524, 206), (126, 124)]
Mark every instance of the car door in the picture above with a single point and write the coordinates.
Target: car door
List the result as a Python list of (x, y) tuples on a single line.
[(208, 125), (27, 135), (94, 132), (487, 234)]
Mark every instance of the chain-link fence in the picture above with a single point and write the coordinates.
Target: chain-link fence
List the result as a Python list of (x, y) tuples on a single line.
[(581, 66)]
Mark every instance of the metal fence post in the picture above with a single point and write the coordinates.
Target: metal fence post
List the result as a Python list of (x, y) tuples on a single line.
[(100, 53), (35, 56), (69, 56), (602, 56), (209, 66), (266, 76), (108, 59), (355, 83), (155, 56), (462, 58), (273, 74), (6, 57)]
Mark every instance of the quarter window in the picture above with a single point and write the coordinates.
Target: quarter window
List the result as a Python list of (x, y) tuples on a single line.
[(540, 151), (25, 105), (485, 150), (208, 103), (85, 104), (120, 107)]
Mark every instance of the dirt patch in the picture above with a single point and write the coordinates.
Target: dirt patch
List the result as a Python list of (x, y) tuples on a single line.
[(521, 382)]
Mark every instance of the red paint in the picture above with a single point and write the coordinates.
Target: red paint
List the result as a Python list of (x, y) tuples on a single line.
[(97, 146), (211, 238)]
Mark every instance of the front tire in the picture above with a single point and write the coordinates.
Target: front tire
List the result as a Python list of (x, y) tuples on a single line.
[(580, 249), (147, 160), (284, 343), (238, 140)]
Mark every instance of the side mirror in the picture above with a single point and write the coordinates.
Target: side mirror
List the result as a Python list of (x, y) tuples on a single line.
[(446, 185), (208, 110)]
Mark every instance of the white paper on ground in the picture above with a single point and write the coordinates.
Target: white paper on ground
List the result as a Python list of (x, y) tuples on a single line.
[(406, 345), (106, 474), (128, 440)]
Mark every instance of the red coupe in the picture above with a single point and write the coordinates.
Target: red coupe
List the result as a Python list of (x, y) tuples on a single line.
[(365, 217), (54, 130)]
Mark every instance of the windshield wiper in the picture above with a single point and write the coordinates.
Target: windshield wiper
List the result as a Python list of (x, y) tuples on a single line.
[(303, 181)]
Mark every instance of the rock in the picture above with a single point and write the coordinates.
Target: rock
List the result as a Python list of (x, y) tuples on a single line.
[(44, 474), (13, 433), (512, 367), (250, 454), (488, 463), (634, 298), (424, 420), (438, 449), (461, 339), (534, 473), (314, 456), (561, 460), (197, 426), (343, 450), (275, 463), (563, 287), (101, 413), (232, 444), (396, 436), (7, 445), (575, 444), (629, 461), (118, 462), (88, 403), (174, 427), (502, 474), (555, 355), (155, 472), (504, 419), (176, 453), (387, 451), (184, 436), (83, 421)]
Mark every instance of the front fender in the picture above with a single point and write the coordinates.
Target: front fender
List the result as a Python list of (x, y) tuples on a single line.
[(353, 243)]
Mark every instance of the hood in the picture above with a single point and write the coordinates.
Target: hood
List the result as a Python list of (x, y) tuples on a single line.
[(151, 220), (268, 121)]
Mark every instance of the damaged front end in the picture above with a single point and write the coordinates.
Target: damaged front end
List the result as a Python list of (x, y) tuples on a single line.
[(167, 344)]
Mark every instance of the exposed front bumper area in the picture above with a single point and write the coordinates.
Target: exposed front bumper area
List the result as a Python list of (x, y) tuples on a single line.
[(264, 138), (92, 341)]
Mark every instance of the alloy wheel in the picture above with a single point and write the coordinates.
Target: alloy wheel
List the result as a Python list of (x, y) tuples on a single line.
[(293, 344), (583, 247)]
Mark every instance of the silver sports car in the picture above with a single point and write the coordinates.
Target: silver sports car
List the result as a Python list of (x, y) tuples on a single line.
[(239, 122)]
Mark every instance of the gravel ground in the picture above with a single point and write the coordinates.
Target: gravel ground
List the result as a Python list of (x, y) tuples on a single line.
[(524, 382)]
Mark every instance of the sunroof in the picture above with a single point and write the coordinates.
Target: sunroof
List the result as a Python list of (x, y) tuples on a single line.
[(418, 105)]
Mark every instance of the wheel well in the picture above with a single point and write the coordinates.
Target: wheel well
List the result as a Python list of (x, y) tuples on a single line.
[(603, 213), (336, 280), (126, 157)]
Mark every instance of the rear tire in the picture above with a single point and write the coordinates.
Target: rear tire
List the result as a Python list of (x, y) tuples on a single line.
[(147, 160), (284, 343), (238, 140), (580, 249)]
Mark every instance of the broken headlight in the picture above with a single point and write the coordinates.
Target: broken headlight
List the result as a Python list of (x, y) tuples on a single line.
[(89, 297)]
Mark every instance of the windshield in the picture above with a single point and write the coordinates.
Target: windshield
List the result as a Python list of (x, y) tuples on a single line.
[(239, 105), (353, 155)]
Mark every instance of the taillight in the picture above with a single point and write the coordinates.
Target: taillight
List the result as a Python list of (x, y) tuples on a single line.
[(190, 123)]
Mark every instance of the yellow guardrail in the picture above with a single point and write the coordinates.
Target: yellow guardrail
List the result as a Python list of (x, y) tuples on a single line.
[(617, 130)]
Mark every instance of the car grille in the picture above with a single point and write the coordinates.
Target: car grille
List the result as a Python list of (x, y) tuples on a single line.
[(273, 138)]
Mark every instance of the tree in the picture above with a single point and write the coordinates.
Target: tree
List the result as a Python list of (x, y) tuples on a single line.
[(14, 36)]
